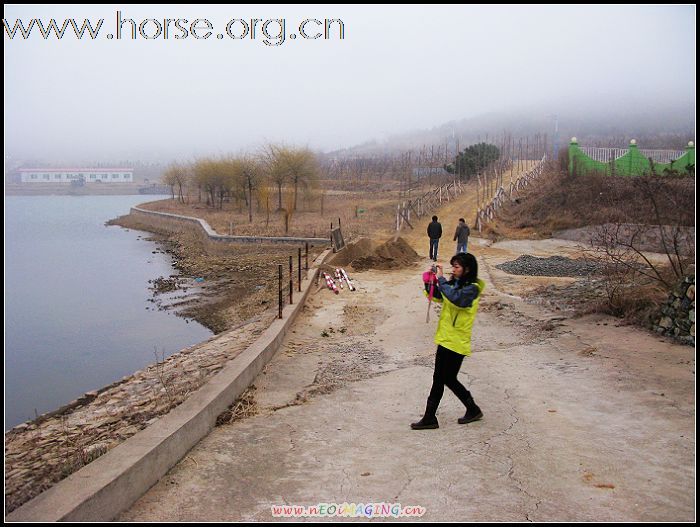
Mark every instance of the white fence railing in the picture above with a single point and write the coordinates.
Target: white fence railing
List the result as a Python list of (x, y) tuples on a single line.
[(662, 156), (605, 155)]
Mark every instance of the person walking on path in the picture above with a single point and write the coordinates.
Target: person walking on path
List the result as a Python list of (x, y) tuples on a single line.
[(460, 300), (462, 236), (434, 233)]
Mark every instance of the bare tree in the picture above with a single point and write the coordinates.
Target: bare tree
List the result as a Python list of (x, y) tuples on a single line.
[(176, 176), (288, 210), (263, 195), (295, 165), (624, 244), (275, 169), (247, 171)]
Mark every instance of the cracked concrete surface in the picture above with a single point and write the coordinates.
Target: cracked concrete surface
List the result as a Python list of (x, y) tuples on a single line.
[(582, 421)]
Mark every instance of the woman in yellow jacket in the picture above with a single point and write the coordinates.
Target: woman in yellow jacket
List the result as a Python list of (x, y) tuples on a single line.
[(460, 301)]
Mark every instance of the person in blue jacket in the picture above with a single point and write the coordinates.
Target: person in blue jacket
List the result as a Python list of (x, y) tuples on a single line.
[(460, 300)]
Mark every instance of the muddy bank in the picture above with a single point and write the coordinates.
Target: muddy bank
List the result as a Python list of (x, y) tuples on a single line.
[(217, 285)]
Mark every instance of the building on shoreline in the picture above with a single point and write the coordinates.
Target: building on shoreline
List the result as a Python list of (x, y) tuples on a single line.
[(84, 175)]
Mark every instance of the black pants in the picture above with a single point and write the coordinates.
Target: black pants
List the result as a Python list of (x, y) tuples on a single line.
[(434, 242), (447, 364)]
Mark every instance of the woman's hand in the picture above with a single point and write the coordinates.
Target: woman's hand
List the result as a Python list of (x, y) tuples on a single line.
[(439, 270)]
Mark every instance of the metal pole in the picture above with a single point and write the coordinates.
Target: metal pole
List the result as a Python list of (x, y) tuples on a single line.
[(291, 281), (306, 266), (299, 269), (279, 270)]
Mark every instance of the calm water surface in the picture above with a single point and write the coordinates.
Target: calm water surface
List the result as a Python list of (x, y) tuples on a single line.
[(75, 301)]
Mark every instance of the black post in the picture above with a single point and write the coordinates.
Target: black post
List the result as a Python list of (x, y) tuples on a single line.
[(339, 226), (279, 269), (306, 266), (299, 268), (291, 281)]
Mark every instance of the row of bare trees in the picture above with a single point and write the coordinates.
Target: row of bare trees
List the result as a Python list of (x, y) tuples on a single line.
[(245, 177)]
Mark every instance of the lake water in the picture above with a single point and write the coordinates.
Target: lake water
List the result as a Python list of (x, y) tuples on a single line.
[(75, 301)]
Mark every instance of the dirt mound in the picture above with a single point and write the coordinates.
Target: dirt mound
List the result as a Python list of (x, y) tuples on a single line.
[(352, 251), (390, 255), (364, 254)]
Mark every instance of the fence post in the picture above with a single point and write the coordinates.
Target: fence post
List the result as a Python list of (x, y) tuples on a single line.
[(333, 246), (291, 281), (299, 268), (306, 266), (279, 289)]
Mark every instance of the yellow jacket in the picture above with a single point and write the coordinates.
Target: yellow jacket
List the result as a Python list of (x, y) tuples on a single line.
[(459, 306)]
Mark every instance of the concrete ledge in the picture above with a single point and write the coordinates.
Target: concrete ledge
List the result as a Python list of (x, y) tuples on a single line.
[(205, 228), (109, 485)]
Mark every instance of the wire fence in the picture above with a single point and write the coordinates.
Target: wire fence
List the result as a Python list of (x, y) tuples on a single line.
[(426, 203), (488, 212)]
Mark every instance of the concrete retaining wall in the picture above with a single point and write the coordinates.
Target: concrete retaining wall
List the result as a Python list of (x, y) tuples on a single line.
[(109, 485), (164, 220)]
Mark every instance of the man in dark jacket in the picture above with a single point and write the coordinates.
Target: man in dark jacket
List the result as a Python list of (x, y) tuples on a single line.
[(434, 233), (462, 236)]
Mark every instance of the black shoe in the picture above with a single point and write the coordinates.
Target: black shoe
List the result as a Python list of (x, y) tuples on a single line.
[(425, 424), (473, 413), (429, 421)]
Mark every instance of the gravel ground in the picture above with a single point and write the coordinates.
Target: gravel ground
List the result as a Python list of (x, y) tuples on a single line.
[(552, 266), (578, 297)]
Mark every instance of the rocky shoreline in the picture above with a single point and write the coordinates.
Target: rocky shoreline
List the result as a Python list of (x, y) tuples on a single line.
[(43, 452), (218, 285)]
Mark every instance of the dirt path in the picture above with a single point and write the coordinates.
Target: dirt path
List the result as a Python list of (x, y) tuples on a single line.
[(584, 420)]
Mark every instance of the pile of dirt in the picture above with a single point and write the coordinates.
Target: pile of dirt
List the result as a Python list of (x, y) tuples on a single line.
[(393, 254), (364, 254), (352, 251)]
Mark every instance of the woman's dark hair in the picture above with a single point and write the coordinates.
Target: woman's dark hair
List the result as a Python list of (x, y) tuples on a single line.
[(468, 262)]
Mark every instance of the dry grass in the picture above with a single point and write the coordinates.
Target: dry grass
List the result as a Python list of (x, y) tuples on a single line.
[(245, 406), (376, 220), (560, 202)]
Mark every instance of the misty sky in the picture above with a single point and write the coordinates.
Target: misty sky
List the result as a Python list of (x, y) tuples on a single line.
[(396, 70)]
